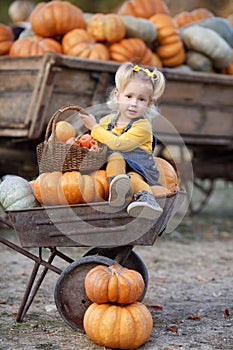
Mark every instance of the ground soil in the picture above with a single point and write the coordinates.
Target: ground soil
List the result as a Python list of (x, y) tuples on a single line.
[(189, 292)]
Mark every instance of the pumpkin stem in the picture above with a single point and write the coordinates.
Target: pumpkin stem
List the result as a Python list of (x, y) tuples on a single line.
[(113, 270)]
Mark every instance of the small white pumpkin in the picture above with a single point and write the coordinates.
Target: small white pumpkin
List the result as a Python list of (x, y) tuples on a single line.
[(208, 42), (16, 193)]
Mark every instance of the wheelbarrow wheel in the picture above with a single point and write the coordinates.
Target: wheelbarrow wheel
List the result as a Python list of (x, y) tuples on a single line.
[(133, 261), (69, 294)]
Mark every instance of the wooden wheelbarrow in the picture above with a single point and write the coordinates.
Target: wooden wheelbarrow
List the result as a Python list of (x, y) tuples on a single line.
[(111, 236)]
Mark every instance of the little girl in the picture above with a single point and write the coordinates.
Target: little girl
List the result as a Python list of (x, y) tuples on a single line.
[(131, 169)]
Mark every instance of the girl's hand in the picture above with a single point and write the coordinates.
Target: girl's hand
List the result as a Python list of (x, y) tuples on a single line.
[(88, 120)]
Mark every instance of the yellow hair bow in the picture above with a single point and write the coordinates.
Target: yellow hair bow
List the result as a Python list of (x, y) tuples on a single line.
[(145, 70)]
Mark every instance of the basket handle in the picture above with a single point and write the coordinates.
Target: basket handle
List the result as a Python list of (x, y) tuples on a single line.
[(50, 130)]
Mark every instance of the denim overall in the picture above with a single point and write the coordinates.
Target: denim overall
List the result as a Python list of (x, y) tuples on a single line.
[(138, 160)]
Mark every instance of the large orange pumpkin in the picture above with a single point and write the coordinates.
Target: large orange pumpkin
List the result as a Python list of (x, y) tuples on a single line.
[(88, 189), (79, 43), (34, 45), (71, 187), (106, 27), (167, 174), (100, 176), (56, 18), (57, 188), (131, 49), (143, 8), (6, 38), (118, 327), (115, 284)]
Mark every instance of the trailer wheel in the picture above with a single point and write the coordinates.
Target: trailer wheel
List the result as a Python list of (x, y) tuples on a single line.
[(69, 294)]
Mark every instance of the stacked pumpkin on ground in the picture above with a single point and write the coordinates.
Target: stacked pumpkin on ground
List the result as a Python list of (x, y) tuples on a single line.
[(116, 319)]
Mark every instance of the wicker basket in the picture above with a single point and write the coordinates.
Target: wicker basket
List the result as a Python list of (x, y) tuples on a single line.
[(54, 155)]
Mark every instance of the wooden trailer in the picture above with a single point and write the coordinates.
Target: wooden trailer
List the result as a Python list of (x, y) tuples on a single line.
[(196, 110)]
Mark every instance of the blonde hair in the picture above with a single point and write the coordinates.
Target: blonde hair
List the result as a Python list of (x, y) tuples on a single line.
[(20, 10), (128, 71)]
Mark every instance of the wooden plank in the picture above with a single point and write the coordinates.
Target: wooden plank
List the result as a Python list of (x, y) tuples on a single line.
[(196, 121), (20, 63)]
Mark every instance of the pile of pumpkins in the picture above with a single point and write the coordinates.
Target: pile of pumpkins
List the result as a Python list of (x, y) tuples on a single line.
[(115, 318), (72, 187), (142, 31)]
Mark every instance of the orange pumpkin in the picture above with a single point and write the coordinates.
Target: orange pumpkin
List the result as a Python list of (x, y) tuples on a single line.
[(159, 190), (71, 187), (6, 38), (106, 27), (229, 68), (56, 18), (115, 284), (156, 61), (79, 43), (131, 49), (88, 189), (118, 327), (57, 188), (170, 49), (167, 174), (183, 18), (100, 176), (143, 8), (34, 46)]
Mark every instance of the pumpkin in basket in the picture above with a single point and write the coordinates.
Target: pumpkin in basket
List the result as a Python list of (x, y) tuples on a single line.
[(6, 38), (64, 131), (115, 284), (34, 45), (78, 42), (16, 193), (131, 49), (56, 18), (118, 326), (106, 27)]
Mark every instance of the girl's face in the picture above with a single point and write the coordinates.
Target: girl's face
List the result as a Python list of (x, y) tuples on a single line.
[(134, 99)]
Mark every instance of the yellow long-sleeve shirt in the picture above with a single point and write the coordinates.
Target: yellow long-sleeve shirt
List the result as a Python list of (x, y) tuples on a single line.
[(139, 135)]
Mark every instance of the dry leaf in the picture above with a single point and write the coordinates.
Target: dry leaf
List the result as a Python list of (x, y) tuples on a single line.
[(157, 307), (200, 278), (172, 328), (193, 317), (226, 313)]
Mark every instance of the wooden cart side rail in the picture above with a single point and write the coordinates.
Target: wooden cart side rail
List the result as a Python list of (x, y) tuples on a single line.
[(197, 77)]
